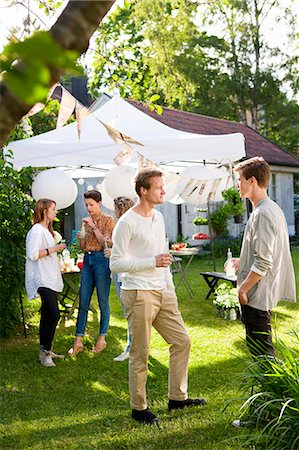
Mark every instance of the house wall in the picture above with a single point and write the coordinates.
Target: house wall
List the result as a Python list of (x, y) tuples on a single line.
[(281, 190)]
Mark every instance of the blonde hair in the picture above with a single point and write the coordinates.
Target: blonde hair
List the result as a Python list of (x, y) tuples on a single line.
[(121, 205), (39, 212), (143, 179)]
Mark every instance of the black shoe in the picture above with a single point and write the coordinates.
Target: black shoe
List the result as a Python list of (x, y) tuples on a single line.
[(145, 417), (180, 404)]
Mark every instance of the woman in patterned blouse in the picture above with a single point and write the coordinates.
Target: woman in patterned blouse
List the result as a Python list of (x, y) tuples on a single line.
[(94, 237)]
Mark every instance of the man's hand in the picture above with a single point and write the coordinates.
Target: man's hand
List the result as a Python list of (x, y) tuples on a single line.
[(235, 262), (242, 297), (163, 260)]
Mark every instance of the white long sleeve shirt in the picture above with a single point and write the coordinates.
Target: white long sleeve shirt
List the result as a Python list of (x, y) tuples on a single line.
[(41, 272), (137, 240)]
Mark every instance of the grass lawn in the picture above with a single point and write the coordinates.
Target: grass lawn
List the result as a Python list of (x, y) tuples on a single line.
[(83, 403)]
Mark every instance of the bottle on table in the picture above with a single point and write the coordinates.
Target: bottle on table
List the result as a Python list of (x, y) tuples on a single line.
[(229, 268)]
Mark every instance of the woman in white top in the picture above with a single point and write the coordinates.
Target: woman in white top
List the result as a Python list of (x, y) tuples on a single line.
[(42, 274)]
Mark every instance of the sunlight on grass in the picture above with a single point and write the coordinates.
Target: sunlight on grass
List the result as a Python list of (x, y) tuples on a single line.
[(83, 402)]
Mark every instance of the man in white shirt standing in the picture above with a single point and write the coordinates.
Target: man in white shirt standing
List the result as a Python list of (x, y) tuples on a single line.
[(148, 294)]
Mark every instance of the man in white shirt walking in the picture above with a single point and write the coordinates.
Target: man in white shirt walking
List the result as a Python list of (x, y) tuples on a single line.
[(148, 294)]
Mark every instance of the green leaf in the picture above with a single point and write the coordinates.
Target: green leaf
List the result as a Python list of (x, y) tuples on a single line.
[(159, 110), (154, 98)]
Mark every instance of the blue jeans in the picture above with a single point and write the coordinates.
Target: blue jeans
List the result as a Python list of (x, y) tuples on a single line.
[(95, 274)]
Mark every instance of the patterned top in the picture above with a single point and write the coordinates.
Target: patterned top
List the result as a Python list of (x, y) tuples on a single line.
[(105, 224)]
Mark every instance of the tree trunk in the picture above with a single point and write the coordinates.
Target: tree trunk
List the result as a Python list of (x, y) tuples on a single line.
[(72, 31)]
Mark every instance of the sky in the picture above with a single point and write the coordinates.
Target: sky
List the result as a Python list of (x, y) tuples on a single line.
[(14, 16)]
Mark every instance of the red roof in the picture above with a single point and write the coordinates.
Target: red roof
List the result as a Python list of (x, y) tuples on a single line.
[(255, 143)]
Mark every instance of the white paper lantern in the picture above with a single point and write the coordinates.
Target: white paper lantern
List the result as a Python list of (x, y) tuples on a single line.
[(107, 201), (55, 185), (170, 182), (119, 182)]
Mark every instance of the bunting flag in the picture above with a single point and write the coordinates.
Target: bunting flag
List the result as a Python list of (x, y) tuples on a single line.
[(52, 90), (140, 161), (124, 155), (67, 106), (40, 106), (81, 114), (34, 110), (117, 136)]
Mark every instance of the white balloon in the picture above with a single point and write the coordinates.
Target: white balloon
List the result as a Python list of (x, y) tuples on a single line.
[(107, 201), (170, 182), (119, 182), (55, 185)]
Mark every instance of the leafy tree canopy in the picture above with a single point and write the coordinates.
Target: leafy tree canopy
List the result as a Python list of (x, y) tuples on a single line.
[(165, 48)]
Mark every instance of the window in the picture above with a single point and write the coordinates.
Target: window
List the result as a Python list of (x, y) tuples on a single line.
[(273, 187)]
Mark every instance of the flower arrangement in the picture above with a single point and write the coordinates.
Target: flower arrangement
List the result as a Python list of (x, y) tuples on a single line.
[(226, 297), (199, 236)]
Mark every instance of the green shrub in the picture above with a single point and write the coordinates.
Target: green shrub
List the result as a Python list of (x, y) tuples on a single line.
[(273, 406), (222, 244), (15, 215)]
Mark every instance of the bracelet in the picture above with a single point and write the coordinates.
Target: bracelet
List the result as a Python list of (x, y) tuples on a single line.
[(48, 253)]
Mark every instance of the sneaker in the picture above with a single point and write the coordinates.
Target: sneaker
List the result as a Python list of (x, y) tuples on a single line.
[(46, 359), (122, 357), (55, 355), (239, 423), (145, 417), (180, 404)]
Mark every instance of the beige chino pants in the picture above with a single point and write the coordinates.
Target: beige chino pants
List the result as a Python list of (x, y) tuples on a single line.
[(160, 309)]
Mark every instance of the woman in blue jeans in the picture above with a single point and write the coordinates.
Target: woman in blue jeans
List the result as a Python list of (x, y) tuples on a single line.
[(95, 235)]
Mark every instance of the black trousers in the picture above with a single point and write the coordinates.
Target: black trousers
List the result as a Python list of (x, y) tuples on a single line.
[(258, 330), (50, 316)]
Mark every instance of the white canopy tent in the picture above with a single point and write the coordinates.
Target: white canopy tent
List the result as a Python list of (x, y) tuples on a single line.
[(160, 143)]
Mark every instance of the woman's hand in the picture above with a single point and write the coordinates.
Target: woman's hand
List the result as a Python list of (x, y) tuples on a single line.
[(107, 252), (58, 247), (89, 222)]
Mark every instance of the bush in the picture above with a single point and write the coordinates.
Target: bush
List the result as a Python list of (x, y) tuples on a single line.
[(15, 215), (222, 244), (274, 405)]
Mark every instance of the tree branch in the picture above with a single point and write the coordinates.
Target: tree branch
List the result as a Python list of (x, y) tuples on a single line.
[(72, 31)]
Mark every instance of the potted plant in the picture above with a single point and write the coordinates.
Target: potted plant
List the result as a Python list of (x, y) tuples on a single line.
[(234, 205), (226, 301)]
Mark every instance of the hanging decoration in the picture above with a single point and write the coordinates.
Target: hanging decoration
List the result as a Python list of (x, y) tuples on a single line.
[(55, 185), (124, 156), (107, 200), (119, 181), (67, 106)]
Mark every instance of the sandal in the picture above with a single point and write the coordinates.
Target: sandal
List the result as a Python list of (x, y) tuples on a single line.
[(73, 351), (98, 348)]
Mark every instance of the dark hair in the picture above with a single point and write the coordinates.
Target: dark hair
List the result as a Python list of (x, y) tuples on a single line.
[(143, 179), (122, 204), (95, 195), (255, 167), (39, 212)]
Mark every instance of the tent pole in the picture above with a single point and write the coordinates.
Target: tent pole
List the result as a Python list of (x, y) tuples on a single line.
[(211, 236)]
